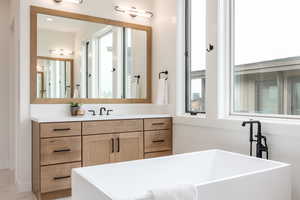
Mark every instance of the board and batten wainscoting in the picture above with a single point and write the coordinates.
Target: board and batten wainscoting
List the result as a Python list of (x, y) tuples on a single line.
[(61, 145)]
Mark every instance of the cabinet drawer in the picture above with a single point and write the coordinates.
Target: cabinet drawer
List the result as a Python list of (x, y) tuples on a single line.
[(60, 129), (158, 141), (60, 150), (157, 124), (113, 126), (158, 154), (57, 177)]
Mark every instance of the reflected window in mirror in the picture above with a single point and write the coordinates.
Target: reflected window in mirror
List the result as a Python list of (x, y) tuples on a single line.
[(102, 56), (54, 77)]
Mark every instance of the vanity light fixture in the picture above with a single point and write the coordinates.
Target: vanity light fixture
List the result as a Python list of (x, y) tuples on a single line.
[(61, 52), (134, 12), (70, 1)]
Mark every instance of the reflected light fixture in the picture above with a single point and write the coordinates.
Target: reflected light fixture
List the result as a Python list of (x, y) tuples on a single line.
[(134, 12), (70, 1), (61, 52), (39, 68)]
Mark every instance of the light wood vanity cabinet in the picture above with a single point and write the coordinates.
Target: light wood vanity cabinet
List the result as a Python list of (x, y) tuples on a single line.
[(158, 154), (158, 137), (97, 149), (57, 148), (112, 141), (158, 140), (158, 124), (60, 150), (108, 148), (111, 126), (50, 130), (129, 146), (57, 177)]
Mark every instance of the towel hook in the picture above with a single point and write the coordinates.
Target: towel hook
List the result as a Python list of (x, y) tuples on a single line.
[(210, 48), (137, 78), (163, 72)]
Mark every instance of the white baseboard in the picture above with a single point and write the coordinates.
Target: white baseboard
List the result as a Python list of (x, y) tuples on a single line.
[(23, 186)]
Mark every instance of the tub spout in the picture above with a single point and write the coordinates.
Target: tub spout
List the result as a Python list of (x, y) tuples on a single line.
[(261, 141)]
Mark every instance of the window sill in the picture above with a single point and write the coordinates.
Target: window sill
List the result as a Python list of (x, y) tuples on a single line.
[(187, 119), (294, 119), (270, 126), (188, 115)]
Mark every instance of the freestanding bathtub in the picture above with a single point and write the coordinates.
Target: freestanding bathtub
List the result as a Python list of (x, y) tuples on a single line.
[(217, 174)]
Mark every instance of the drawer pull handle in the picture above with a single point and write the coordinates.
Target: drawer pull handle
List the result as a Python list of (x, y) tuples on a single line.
[(158, 124), (61, 177), (112, 145), (158, 141), (62, 150), (62, 129), (118, 143)]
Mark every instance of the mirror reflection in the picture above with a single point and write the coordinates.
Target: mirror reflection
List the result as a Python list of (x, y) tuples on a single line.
[(80, 59), (54, 77)]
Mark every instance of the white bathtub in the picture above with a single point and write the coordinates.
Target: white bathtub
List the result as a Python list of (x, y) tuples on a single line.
[(218, 175)]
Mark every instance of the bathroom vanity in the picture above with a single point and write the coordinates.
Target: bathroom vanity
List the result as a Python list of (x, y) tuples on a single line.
[(59, 145), (109, 62)]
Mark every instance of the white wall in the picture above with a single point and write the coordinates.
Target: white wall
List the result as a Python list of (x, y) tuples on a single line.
[(4, 80), (14, 80), (164, 45)]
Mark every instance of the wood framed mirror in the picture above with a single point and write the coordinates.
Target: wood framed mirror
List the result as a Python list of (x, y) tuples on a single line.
[(87, 59)]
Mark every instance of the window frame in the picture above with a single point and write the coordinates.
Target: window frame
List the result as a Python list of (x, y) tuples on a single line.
[(190, 75), (284, 90)]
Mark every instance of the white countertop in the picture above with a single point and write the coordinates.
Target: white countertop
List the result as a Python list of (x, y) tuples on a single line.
[(47, 119)]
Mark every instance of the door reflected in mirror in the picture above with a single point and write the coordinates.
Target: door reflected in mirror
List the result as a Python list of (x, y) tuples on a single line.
[(54, 77), (82, 59)]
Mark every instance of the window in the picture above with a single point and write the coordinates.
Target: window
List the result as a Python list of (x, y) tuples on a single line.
[(102, 63), (267, 97), (294, 106), (195, 55), (266, 57)]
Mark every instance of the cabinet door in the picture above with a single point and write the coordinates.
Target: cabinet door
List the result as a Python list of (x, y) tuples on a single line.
[(129, 146), (98, 149)]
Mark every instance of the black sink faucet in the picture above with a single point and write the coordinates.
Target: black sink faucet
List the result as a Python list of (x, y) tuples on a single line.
[(108, 112), (93, 112), (260, 147), (102, 110)]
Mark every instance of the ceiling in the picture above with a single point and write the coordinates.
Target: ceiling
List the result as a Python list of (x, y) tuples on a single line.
[(62, 24)]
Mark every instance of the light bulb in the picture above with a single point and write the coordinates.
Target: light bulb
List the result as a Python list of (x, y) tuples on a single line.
[(134, 12)]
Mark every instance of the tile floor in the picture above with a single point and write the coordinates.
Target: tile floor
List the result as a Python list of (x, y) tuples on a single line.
[(8, 188)]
